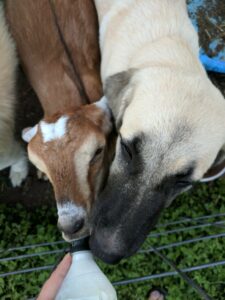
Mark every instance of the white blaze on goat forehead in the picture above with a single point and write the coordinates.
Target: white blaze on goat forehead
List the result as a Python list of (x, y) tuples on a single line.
[(53, 131), (70, 209)]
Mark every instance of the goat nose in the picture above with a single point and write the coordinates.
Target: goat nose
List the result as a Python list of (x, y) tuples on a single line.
[(78, 225), (72, 227)]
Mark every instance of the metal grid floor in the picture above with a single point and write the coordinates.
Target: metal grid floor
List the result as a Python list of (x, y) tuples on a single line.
[(215, 221)]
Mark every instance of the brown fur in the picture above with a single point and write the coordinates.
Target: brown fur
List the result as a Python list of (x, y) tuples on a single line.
[(67, 160), (64, 178), (48, 69)]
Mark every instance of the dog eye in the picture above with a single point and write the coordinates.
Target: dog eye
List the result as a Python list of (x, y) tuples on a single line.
[(127, 153), (183, 183), (96, 155)]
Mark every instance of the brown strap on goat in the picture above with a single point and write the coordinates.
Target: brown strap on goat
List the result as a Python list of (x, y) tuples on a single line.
[(76, 77)]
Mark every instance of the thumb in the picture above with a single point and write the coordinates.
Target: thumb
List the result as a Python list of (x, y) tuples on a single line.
[(52, 285)]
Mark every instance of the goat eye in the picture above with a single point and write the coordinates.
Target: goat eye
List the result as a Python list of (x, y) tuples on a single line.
[(97, 155), (127, 153)]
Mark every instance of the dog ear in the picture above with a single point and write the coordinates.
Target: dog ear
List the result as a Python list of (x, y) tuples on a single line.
[(118, 93), (217, 169)]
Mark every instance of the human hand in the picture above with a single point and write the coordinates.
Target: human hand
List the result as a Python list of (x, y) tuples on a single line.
[(52, 285)]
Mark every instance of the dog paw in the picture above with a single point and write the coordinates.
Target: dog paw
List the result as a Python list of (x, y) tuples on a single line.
[(42, 176), (156, 295), (18, 172)]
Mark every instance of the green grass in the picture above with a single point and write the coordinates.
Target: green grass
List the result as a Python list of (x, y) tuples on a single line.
[(20, 227)]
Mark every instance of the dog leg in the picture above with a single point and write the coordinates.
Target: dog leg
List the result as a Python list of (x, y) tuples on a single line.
[(19, 169), (15, 158), (42, 176)]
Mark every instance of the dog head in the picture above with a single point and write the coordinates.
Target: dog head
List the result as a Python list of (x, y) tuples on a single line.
[(171, 131)]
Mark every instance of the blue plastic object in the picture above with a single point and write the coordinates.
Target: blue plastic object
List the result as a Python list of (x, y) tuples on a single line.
[(213, 58)]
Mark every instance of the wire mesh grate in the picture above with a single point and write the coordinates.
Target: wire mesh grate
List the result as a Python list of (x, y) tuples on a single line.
[(185, 225)]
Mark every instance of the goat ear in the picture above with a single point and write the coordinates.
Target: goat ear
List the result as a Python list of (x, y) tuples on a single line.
[(103, 105), (102, 116), (28, 133)]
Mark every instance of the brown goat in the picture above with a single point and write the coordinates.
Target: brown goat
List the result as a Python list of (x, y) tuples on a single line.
[(70, 144)]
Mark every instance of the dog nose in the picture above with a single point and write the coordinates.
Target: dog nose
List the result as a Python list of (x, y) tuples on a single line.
[(71, 227), (105, 247)]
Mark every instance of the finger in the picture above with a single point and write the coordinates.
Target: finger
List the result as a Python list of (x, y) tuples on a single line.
[(52, 285)]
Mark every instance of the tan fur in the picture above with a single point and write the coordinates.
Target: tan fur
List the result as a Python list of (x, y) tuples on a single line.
[(11, 153), (169, 84), (170, 118)]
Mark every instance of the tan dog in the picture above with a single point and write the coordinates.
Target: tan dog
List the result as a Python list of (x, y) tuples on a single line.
[(11, 153), (170, 118)]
